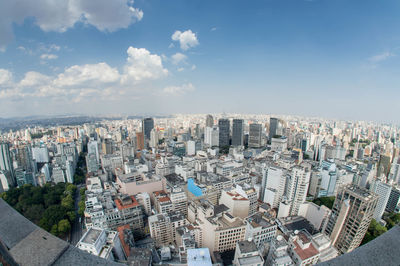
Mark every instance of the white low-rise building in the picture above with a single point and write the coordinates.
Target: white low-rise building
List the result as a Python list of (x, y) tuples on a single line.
[(102, 243)]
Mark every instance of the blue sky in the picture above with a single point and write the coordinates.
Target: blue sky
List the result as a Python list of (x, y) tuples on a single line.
[(329, 58)]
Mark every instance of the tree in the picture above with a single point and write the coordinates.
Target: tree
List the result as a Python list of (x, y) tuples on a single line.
[(327, 201), (82, 207), (52, 215), (374, 230), (45, 206), (64, 226), (71, 216), (54, 230), (82, 192), (51, 198), (68, 202), (392, 219), (34, 213), (70, 188)]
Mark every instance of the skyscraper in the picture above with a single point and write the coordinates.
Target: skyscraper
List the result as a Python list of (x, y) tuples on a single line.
[(5, 159), (237, 132), (224, 131), (93, 147), (209, 121), (211, 136), (351, 215), (139, 140), (383, 191), (273, 127), (147, 126), (297, 187), (255, 136)]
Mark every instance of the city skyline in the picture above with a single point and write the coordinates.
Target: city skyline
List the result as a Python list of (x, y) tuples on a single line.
[(331, 59), (310, 190)]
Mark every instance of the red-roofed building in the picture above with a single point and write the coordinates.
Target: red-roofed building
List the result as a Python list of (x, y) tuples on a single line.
[(302, 250), (163, 203), (126, 202), (129, 213), (126, 238), (237, 204)]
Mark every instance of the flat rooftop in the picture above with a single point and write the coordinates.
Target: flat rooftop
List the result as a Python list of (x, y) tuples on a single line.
[(300, 223), (247, 246), (198, 257), (91, 236), (258, 220)]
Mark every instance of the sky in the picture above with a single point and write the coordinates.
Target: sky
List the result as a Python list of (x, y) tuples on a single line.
[(327, 58)]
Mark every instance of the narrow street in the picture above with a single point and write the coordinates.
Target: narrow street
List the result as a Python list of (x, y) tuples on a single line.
[(76, 231)]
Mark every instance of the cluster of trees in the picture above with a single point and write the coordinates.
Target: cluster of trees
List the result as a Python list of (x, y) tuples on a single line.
[(81, 203), (375, 229), (224, 150), (51, 207), (39, 135), (327, 201), (363, 142), (391, 219), (79, 176)]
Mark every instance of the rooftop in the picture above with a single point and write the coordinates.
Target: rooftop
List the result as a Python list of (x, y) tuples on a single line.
[(299, 223), (247, 246), (198, 257), (91, 236), (253, 260), (258, 219), (305, 253), (124, 204)]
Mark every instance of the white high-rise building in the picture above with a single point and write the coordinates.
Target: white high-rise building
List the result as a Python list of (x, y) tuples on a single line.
[(40, 154), (211, 136), (328, 178), (297, 188), (154, 137), (94, 148), (275, 179), (191, 147), (383, 191)]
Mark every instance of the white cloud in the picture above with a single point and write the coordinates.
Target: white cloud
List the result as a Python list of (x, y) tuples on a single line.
[(5, 77), (180, 69), (61, 15), (142, 65), (187, 39), (48, 56), (33, 78), (54, 47), (381, 57), (178, 58), (179, 90), (213, 29), (79, 82), (90, 85), (193, 67), (90, 73)]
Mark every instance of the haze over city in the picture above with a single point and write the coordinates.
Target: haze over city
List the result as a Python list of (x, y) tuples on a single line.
[(335, 59)]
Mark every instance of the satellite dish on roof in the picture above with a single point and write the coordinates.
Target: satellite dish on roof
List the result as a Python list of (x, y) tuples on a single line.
[(279, 238), (296, 232), (250, 239), (202, 252)]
